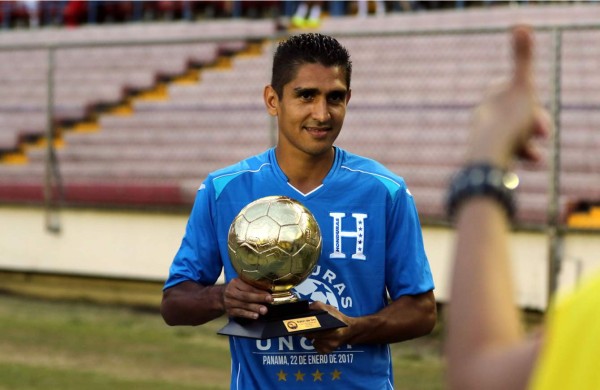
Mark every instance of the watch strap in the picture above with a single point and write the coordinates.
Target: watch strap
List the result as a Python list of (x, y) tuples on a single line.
[(482, 179)]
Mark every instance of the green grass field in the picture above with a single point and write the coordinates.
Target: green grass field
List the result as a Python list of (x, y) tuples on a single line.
[(74, 345)]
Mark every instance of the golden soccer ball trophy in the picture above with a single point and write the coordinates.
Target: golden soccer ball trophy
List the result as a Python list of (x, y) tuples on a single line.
[(274, 243)]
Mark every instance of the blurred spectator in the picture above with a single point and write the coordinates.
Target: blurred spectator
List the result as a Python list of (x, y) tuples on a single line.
[(114, 11), (363, 7), (13, 14), (51, 12), (75, 13), (258, 9), (20, 13), (171, 10), (33, 12), (337, 8), (308, 14)]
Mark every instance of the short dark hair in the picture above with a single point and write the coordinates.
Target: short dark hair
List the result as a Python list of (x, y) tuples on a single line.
[(312, 48)]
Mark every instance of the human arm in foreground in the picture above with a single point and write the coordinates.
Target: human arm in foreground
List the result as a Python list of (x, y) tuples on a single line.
[(486, 345)]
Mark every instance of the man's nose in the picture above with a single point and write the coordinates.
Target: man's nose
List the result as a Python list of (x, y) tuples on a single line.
[(321, 110)]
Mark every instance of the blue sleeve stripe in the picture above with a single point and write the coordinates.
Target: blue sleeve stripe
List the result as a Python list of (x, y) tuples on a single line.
[(392, 186), (220, 182)]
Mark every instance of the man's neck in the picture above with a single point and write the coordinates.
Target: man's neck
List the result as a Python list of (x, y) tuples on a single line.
[(305, 172)]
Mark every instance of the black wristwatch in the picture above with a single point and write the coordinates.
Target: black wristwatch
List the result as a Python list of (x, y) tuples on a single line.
[(482, 179)]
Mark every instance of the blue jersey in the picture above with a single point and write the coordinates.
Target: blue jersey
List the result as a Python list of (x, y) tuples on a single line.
[(372, 247)]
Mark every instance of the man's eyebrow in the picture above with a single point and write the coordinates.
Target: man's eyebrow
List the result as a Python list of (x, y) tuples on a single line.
[(301, 90), (313, 91), (342, 92)]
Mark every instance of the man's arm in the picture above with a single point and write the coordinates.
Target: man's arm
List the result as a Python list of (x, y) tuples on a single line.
[(486, 346), (408, 317), (191, 303)]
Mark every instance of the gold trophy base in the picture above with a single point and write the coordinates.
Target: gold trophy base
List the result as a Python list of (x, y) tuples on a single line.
[(282, 320)]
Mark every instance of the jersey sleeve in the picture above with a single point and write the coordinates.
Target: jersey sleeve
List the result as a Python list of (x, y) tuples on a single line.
[(407, 266), (198, 257)]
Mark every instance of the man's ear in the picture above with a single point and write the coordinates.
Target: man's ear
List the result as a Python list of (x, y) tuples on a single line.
[(271, 100)]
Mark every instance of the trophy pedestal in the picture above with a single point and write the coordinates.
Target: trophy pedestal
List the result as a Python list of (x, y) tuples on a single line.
[(282, 320)]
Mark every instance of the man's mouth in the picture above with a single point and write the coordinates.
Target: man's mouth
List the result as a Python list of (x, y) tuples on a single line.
[(317, 131)]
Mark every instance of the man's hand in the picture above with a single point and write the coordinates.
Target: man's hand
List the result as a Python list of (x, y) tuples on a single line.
[(511, 114), (243, 300), (328, 341)]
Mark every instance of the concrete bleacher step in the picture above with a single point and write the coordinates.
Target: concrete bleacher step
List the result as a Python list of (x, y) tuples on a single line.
[(159, 119), (156, 31), (108, 171), (131, 153)]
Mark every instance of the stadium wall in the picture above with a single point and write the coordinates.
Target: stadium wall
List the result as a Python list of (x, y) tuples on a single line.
[(140, 246), (103, 243)]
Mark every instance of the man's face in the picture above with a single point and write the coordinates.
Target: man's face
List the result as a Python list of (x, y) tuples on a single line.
[(311, 112)]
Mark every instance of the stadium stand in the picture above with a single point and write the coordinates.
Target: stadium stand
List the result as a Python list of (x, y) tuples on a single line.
[(543, 14), (141, 126), (93, 82)]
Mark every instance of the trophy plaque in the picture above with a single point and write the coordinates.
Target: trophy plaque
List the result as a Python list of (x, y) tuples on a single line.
[(274, 244)]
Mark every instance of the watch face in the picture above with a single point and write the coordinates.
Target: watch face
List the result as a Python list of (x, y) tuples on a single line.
[(510, 180), (482, 180)]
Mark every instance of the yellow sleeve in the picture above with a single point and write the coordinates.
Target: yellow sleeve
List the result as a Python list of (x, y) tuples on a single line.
[(569, 358)]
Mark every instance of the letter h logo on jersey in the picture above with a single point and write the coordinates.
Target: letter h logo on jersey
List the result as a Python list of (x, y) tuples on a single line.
[(338, 234)]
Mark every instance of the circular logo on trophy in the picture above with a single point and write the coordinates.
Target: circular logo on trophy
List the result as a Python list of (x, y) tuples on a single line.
[(274, 244), (292, 325)]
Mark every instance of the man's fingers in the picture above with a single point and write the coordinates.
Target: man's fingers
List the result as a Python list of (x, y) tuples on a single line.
[(543, 125), (249, 311), (243, 300), (236, 307), (238, 289), (523, 55)]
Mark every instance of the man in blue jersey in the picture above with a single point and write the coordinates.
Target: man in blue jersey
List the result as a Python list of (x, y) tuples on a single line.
[(372, 241)]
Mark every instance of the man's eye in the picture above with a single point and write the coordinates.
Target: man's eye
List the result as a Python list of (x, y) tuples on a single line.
[(336, 97)]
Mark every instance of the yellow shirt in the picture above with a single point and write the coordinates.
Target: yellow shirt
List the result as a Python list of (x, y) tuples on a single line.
[(570, 357)]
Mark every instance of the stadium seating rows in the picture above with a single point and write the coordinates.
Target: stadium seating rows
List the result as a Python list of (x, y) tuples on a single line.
[(410, 107), (86, 77), (473, 17)]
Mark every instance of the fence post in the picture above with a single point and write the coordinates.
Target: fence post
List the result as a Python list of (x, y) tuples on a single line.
[(554, 232), (52, 183)]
